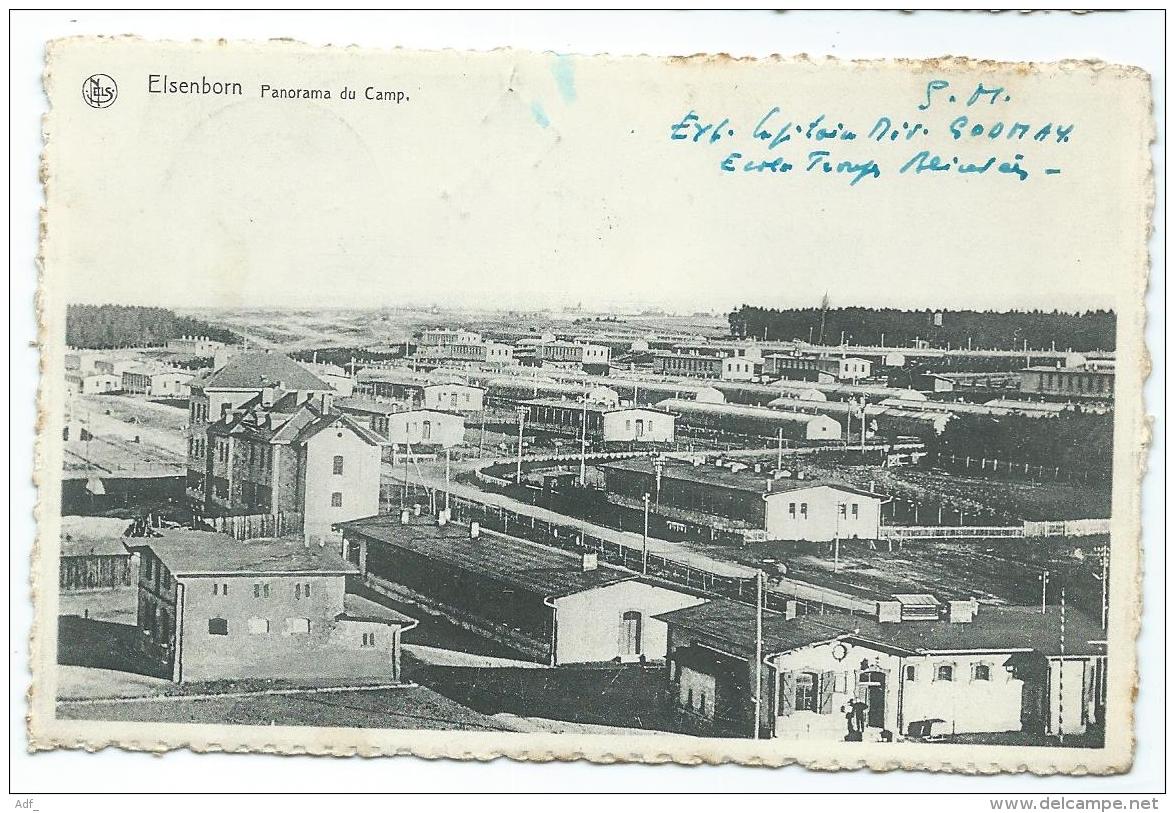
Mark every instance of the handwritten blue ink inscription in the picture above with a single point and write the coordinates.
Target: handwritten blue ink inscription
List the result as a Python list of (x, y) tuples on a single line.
[(782, 142)]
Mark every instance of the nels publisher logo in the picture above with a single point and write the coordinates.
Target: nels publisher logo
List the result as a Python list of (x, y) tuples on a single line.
[(99, 90)]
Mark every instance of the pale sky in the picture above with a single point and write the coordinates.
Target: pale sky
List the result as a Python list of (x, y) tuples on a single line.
[(519, 180)]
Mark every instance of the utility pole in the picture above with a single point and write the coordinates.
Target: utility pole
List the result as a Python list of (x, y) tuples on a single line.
[(1061, 676), (863, 430), (1104, 550), (758, 649), (779, 450), (1044, 590), (583, 445), (645, 540), (481, 443), (446, 484), (521, 424)]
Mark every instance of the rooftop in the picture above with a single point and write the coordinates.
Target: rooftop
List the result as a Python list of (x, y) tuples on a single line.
[(187, 552), (994, 629), (257, 369), (590, 406), (371, 406), (357, 607), (744, 480), (734, 623), (1044, 368), (512, 561), (680, 405)]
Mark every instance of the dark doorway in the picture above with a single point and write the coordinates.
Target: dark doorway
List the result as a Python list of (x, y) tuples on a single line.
[(871, 692)]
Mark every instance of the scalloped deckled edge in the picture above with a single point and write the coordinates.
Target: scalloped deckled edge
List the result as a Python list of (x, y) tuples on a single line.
[(602, 749)]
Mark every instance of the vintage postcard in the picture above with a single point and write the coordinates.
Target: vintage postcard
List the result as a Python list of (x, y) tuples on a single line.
[(584, 407)]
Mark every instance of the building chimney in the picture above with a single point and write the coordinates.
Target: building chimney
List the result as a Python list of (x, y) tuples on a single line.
[(769, 482), (404, 517), (416, 509), (790, 610), (267, 396), (474, 530), (590, 562), (442, 518)]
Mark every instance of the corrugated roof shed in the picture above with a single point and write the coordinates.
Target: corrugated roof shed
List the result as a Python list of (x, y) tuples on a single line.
[(512, 561)]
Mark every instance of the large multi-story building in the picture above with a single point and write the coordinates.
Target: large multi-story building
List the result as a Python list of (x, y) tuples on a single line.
[(265, 438), (462, 348), (212, 607)]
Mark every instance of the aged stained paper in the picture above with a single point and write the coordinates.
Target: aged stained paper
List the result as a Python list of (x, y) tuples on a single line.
[(559, 407)]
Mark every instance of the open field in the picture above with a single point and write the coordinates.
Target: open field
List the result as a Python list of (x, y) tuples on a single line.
[(304, 329), (131, 437)]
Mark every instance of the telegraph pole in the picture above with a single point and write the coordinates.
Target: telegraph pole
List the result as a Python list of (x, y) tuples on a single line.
[(583, 445), (779, 450), (1061, 676), (446, 484), (645, 540), (1104, 550), (1044, 589), (758, 649), (521, 424)]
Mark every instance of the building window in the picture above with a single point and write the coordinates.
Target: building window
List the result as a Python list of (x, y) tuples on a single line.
[(426, 431), (258, 626), (856, 510), (368, 639), (806, 691), (296, 626), (218, 626), (215, 586), (842, 508), (338, 467), (911, 673), (301, 590), (804, 510), (791, 510), (945, 672), (981, 671), (336, 499), (261, 590)]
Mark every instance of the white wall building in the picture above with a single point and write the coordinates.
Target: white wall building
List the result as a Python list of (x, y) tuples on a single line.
[(821, 513)]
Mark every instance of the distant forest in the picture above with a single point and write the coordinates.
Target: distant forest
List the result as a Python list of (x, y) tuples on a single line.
[(106, 326), (1005, 330)]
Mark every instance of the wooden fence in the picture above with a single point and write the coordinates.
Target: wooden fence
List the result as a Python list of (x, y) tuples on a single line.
[(256, 526)]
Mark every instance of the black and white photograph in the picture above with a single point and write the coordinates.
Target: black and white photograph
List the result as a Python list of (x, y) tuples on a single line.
[(552, 406)]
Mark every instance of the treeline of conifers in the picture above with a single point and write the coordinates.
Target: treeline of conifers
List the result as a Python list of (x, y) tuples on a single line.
[(1082, 442), (107, 326), (1004, 330)]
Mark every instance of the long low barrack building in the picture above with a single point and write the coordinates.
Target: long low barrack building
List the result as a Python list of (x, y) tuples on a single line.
[(754, 506), (551, 605), (606, 423), (755, 421)]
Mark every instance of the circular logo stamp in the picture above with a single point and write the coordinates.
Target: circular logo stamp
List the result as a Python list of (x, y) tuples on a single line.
[(99, 90)]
